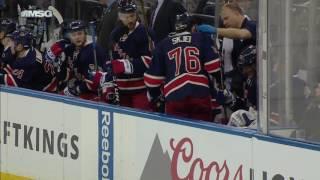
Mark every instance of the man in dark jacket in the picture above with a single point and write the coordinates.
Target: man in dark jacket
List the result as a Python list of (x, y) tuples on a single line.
[(163, 17), (108, 23)]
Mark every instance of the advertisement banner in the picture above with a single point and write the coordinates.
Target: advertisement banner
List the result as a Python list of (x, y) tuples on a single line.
[(50, 137), (105, 145), (280, 161), (149, 149), (45, 139)]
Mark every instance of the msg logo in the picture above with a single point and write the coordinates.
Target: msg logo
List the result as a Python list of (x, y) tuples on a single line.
[(36, 14)]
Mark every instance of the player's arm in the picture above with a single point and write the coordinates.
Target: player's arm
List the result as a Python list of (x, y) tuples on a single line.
[(234, 33), (8, 79), (56, 58), (137, 65), (132, 66), (155, 76), (141, 64), (91, 80), (21, 77), (249, 31)]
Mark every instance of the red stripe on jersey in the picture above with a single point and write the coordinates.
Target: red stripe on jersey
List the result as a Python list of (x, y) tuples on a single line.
[(212, 66), (52, 86), (153, 81), (8, 69), (9, 80), (180, 81), (131, 84), (146, 60)]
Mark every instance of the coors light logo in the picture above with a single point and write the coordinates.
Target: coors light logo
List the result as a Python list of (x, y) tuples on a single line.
[(159, 166)]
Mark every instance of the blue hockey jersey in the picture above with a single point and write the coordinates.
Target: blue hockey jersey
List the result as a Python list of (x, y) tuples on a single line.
[(84, 65), (135, 47), (22, 71), (183, 62)]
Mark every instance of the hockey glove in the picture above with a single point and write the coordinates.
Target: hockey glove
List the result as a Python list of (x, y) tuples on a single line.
[(72, 89), (109, 89), (53, 52), (108, 93), (122, 66), (56, 50), (241, 118), (95, 79), (72, 92)]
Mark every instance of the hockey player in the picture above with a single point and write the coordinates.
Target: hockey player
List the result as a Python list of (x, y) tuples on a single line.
[(80, 60), (22, 72), (244, 107), (131, 57), (183, 61), (7, 26), (247, 66)]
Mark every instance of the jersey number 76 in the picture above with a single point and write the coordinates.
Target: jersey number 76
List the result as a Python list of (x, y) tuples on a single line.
[(190, 55)]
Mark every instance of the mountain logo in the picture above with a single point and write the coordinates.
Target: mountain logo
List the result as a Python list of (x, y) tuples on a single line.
[(158, 163)]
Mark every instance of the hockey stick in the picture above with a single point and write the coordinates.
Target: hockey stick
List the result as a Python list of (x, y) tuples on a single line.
[(144, 14), (92, 28), (222, 84), (56, 14), (44, 35), (116, 100)]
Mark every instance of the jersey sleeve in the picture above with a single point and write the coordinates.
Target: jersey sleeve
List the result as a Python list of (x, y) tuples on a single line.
[(142, 63), (209, 56), (21, 77), (252, 28), (155, 75)]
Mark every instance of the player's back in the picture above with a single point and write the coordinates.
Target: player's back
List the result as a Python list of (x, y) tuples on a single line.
[(185, 55)]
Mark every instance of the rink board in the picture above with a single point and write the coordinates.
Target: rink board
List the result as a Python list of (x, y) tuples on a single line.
[(46, 136)]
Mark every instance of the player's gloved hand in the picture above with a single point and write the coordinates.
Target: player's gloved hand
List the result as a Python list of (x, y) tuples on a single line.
[(122, 66), (53, 52), (208, 29), (107, 88), (56, 50), (108, 93), (72, 92), (241, 118), (95, 78), (72, 89)]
